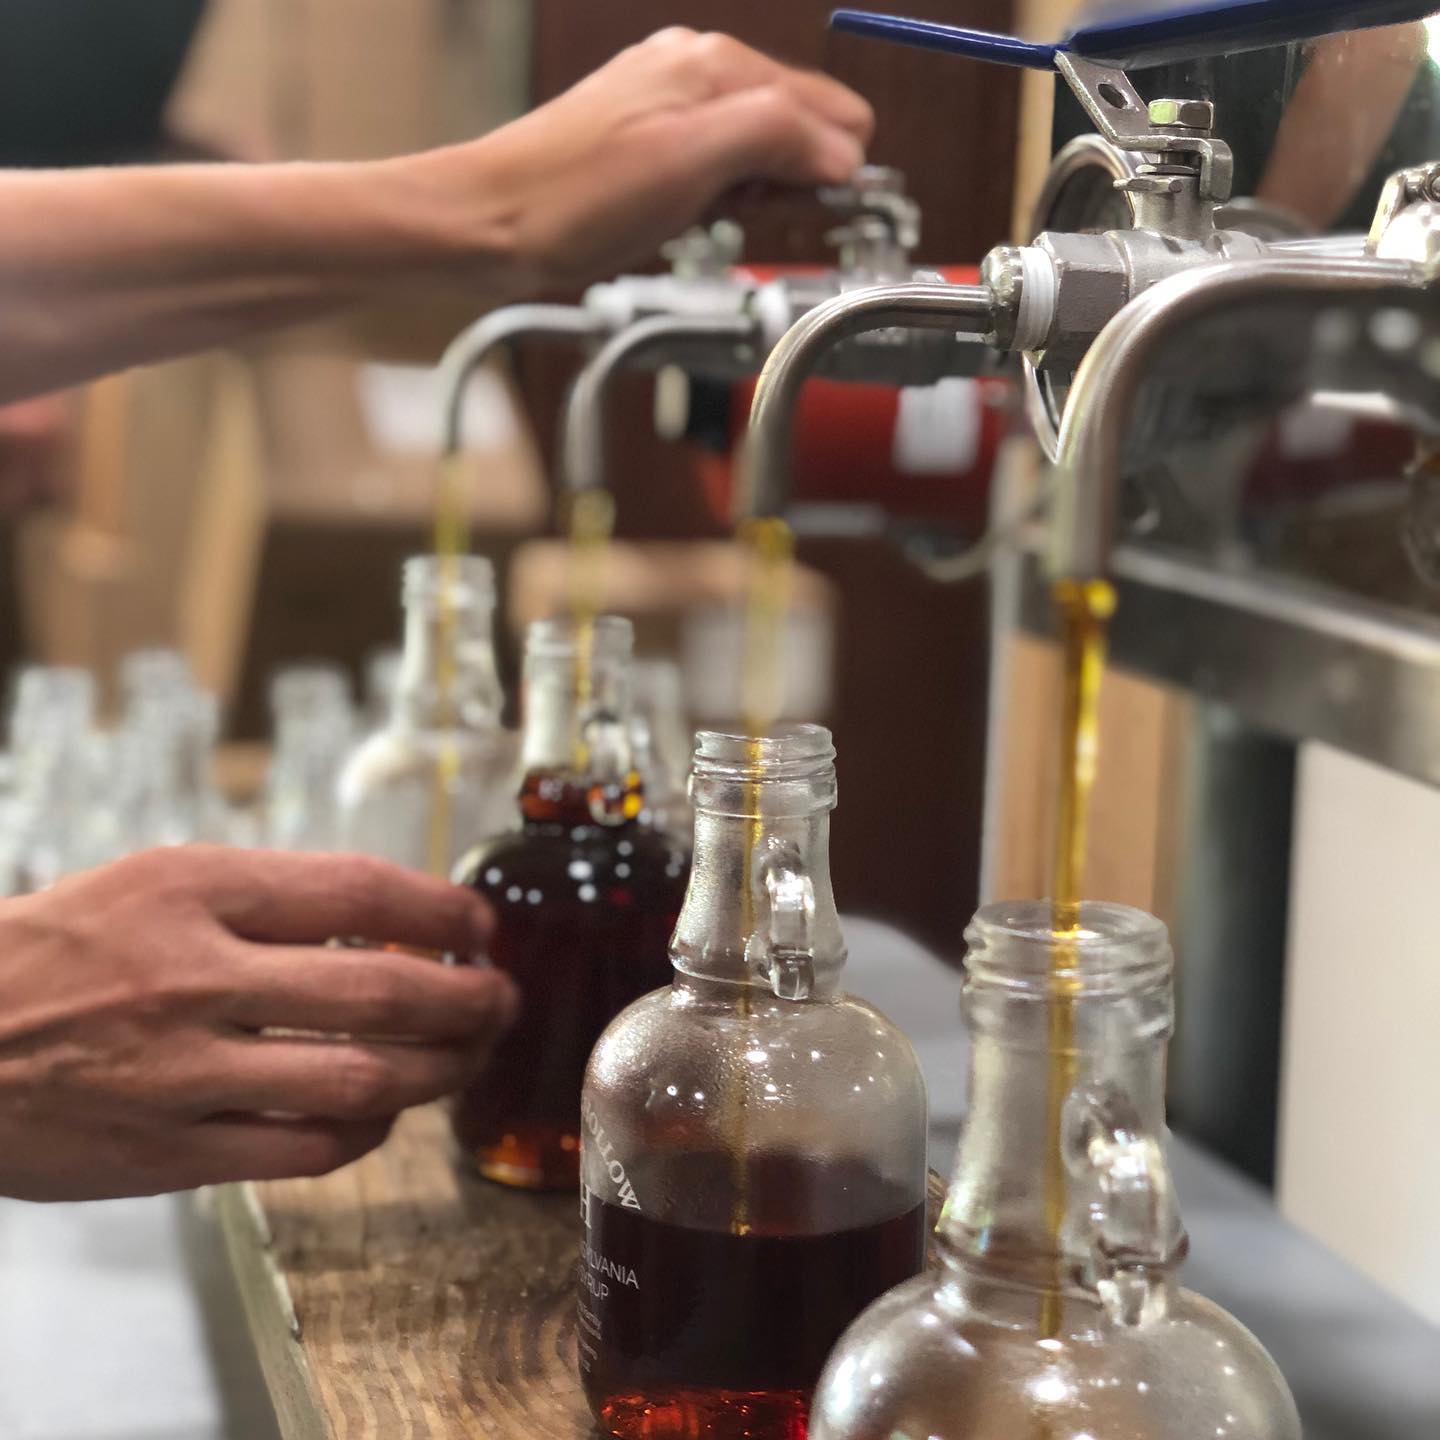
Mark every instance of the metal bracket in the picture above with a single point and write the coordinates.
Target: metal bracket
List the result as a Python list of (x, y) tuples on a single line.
[(1124, 119)]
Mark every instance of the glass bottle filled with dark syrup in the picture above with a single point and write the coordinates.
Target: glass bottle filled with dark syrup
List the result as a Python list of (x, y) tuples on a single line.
[(585, 893)]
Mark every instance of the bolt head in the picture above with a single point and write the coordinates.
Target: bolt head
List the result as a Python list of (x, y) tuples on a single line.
[(1182, 114)]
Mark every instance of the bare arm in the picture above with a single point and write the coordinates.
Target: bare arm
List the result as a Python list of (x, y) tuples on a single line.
[(102, 269), (1340, 116)]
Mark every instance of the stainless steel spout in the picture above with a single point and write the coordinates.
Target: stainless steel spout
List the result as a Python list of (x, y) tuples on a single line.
[(474, 346), (1101, 403), (666, 337), (765, 463)]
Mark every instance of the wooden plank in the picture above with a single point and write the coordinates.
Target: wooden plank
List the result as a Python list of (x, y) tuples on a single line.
[(400, 1299), (427, 1303), (271, 1314)]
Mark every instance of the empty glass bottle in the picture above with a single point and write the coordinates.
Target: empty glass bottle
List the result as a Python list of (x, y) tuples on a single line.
[(162, 784), (753, 1158), (314, 723), (442, 771), (585, 894), (1056, 1311)]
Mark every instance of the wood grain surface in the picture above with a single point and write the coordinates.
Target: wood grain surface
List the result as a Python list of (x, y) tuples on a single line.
[(401, 1299)]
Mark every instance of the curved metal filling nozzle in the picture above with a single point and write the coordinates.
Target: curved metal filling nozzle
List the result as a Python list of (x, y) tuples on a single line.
[(676, 336), (765, 465), (1101, 403), (473, 346)]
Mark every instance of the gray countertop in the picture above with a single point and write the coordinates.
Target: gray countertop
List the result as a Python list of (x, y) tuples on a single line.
[(1362, 1365)]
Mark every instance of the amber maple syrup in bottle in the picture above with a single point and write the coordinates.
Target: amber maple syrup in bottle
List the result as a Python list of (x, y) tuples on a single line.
[(753, 1152), (585, 894)]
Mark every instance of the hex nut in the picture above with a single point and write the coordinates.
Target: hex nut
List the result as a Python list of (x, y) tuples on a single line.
[(1182, 114)]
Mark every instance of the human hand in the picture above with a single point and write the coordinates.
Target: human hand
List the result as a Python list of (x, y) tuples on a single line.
[(603, 175), (135, 1001)]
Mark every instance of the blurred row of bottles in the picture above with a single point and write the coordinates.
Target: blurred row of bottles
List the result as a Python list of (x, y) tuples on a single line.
[(75, 793)]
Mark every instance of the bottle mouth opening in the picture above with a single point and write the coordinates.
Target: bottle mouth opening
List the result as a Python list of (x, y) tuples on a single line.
[(471, 579), (789, 752), (612, 637), (1015, 943)]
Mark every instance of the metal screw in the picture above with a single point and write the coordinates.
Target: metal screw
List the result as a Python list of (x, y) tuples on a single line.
[(1182, 114), (1152, 185)]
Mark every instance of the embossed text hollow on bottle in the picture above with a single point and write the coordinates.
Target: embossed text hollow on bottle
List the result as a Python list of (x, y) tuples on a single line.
[(753, 1159), (1091, 1336), (443, 748), (585, 894)]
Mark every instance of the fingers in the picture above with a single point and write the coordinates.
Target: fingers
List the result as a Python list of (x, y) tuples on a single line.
[(333, 1079), (258, 1148), (729, 67), (306, 899), (364, 992), (765, 134)]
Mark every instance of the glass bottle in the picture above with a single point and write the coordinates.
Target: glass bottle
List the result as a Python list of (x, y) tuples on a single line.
[(753, 1160), (162, 782), (442, 771), (314, 724), (585, 894), (1056, 1312)]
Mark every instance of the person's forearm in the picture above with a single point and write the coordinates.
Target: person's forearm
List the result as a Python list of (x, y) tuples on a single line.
[(1338, 120), (104, 269)]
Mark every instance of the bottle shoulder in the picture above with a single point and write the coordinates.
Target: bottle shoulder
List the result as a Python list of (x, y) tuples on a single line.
[(589, 857), (947, 1372), (840, 1055), (397, 754)]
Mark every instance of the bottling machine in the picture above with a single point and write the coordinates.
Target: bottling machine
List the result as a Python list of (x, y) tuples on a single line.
[(1236, 398), (1239, 419)]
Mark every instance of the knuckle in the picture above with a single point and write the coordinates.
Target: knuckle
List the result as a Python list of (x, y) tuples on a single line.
[(363, 1084), (716, 45), (359, 885), (370, 995)]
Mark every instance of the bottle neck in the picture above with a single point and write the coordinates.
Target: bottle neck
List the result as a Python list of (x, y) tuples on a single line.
[(577, 723), (760, 910), (998, 1214), (1061, 1184), (448, 677)]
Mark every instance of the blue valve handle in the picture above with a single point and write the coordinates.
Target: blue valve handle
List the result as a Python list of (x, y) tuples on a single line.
[(1181, 32), (952, 39)]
